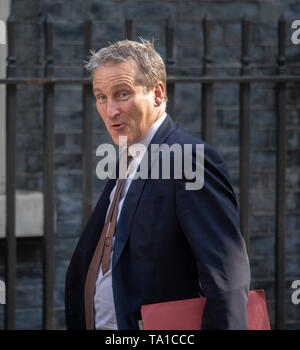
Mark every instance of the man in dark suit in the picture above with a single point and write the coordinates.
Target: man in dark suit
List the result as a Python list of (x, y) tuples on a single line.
[(167, 242)]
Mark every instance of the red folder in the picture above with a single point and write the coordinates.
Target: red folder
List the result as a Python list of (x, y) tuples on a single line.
[(187, 314)]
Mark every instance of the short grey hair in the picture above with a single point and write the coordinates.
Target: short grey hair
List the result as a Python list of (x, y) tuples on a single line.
[(151, 66)]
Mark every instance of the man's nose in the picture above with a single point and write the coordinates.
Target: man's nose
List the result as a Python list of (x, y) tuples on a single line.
[(112, 108)]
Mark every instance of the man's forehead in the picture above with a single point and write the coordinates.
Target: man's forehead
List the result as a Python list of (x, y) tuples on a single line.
[(114, 75), (110, 68)]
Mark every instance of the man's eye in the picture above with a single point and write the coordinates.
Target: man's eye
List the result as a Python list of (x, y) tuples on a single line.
[(123, 94), (100, 98)]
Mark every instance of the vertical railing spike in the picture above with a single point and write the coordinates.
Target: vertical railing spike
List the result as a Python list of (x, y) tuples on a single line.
[(87, 133), (10, 241), (49, 182), (207, 88), (280, 214), (169, 36), (245, 126), (129, 29)]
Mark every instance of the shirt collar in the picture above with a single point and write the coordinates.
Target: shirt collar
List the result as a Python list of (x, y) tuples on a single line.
[(146, 139)]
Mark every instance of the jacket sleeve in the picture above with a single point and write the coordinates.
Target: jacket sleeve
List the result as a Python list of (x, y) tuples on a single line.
[(210, 220)]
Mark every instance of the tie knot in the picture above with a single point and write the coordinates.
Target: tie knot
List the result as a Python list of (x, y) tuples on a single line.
[(124, 164)]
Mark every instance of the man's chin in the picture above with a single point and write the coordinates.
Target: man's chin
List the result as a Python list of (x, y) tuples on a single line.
[(122, 140)]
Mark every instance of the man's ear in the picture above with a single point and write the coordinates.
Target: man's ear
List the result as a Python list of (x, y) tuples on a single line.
[(159, 93)]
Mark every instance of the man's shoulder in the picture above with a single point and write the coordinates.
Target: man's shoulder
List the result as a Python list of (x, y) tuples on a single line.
[(182, 137), (179, 136)]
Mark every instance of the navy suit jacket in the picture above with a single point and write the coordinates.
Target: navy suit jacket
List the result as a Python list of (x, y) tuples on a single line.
[(170, 244)]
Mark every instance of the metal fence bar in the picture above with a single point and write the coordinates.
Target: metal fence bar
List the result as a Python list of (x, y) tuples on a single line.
[(169, 34), (129, 30), (87, 134), (207, 88), (49, 184), (171, 79), (280, 182), (10, 242), (245, 136)]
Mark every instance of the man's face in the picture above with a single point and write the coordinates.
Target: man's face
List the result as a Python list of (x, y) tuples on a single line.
[(125, 107)]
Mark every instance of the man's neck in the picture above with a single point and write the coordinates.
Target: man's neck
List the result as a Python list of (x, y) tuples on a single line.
[(150, 134)]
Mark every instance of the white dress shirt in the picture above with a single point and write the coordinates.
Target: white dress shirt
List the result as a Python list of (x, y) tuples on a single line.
[(105, 315)]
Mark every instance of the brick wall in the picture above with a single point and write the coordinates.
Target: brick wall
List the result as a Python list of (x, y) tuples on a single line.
[(108, 25)]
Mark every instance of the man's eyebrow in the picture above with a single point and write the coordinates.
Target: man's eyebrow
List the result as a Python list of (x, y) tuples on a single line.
[(121, 85), (115, 87)]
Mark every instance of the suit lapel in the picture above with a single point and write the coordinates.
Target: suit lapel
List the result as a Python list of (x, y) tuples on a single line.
[(134, 193)]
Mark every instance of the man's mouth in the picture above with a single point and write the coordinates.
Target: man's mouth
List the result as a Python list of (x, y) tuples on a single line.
[(117, 126)]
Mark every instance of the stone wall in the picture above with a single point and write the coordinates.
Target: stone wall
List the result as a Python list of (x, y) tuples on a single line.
[(109, 25)]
